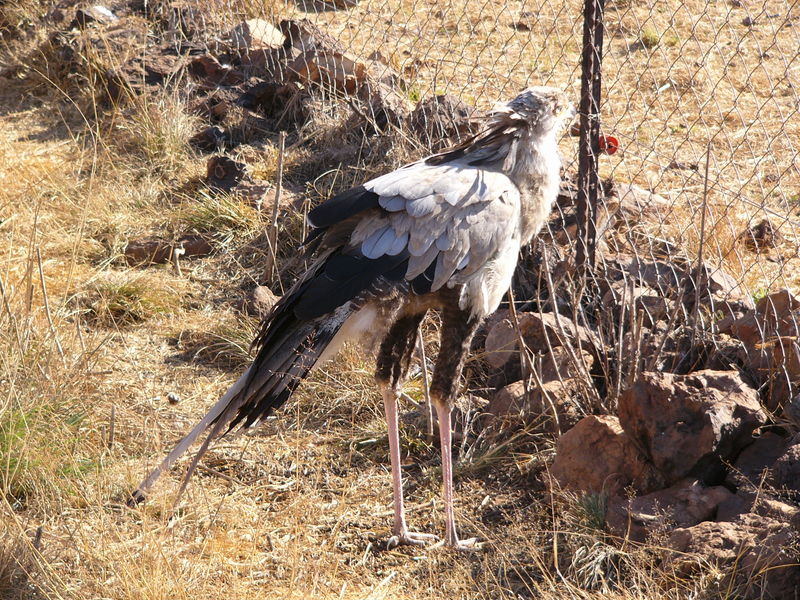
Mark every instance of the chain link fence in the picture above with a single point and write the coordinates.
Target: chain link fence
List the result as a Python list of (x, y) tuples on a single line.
[(699, 138)]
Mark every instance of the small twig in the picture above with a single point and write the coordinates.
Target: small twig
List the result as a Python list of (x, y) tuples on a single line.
[(586, 378), (363, 560), (272, 232), (112, 426), (528, 371), (37, 538), (524, 351), (11, 318), (221, 475), (621, 332), (426, 388), (47, 308), (177, 252), (701, 271)]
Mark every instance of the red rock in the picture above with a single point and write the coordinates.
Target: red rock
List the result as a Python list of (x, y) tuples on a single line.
[(785, 472), (757, 554), (597, 456), (541, 332), (690, 424), (774, 315), (755, 460), (685, 504), (771, 334)]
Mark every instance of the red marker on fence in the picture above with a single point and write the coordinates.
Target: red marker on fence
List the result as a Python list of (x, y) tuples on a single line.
[(608, 144)]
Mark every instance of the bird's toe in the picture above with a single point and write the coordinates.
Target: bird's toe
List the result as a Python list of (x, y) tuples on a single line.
[(468, 545), (410, 538)]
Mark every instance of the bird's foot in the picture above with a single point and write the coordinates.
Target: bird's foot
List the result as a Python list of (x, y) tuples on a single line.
[(468, 545), (410, 538)]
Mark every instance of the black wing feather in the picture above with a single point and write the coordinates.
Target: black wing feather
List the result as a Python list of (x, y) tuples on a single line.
[(343, 206)]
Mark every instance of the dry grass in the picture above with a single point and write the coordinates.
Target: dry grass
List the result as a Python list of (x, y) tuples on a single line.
[(301, 507)]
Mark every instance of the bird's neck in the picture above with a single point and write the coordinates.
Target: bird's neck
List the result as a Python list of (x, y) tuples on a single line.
[(537, 175)]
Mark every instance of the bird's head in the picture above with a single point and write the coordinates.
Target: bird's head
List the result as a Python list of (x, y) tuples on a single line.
[(543, 110)]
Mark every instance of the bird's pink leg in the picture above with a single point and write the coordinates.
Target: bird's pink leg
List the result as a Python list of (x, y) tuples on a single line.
[(401, 534), (445, 438)]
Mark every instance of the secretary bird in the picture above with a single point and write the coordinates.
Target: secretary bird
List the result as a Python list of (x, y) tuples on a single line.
[(443, 233)]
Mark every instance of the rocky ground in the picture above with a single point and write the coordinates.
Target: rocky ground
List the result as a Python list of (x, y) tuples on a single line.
[(630, 434)]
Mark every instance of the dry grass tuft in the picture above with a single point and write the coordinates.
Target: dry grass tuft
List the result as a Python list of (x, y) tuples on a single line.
[(225, 218), (126, 298), (155, 132), (224, 342)]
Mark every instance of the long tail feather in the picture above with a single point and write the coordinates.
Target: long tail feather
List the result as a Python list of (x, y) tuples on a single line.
[(291, 350), (179, 450)]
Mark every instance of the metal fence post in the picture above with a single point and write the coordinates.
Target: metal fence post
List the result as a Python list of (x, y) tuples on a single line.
[(589, 141)]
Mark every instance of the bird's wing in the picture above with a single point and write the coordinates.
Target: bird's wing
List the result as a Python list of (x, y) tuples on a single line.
[(446, 220)]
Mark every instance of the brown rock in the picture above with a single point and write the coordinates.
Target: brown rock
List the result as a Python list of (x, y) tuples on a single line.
[(597, 456), (653, 305), (689, 424), (637, 203), (791, 410), (665, 277), (684, 504), (384, 107), (559, 365), (770, 335), (755, 460), (774, 315), (157, 251), (209, 138), (256, 34), (278, 101), (785, 473), (303, 35), (259, 302), (540, 333), (722, 285), (384, 70), (331, 70), (93, 14), (188, 16), (213, 73), (735, 506), (761, 237), (224, 173), (759, 504), (758, 555)]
